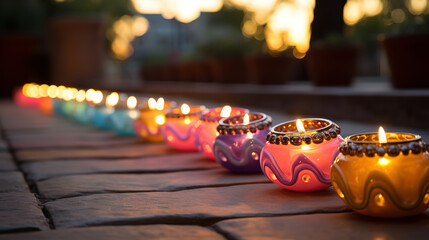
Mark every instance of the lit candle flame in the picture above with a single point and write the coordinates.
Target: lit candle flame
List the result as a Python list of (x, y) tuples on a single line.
[(151, 103), (131, 102), (381, 135), (300, 126), (160, 104), (185, 109), (98, 97), (43, 90), (80, 96), (52, 91), (112, 99), (90, 95), (246, 119), (226, 111), (60, 92)]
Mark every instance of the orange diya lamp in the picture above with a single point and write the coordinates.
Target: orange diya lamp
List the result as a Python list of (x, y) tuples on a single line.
[(179, 128), (152, 118), (383, 174)]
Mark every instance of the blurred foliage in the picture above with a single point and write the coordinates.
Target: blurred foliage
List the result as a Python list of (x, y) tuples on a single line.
[(230, 42)]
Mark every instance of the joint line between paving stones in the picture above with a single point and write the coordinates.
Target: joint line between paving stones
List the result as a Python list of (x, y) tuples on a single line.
[(128, 172), (31, 186), (46, 200)]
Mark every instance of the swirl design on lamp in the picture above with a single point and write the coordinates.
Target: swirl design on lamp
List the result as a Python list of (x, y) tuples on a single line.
[(248, 161), (173, 130), (141, 126), (301, 163), (378, 180)]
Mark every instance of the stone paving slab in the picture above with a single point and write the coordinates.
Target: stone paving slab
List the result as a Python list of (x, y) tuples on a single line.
[(36, 171), (163, 232), (189, 206), (20, 211), (129, 151), (77, 185), (6, 162), (326, 226), (13, 182)]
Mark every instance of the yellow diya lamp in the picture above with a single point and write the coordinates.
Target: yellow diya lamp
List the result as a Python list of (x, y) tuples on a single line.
[(383, 174)]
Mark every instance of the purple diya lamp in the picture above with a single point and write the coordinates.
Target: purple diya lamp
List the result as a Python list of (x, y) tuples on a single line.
[(298, 154), (179, 128), (241, 139), (205, 129)]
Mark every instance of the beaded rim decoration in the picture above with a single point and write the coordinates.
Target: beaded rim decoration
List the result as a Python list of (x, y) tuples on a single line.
[(207, 118), (257, 121), (195, 111), (317, 130), (367, 144)]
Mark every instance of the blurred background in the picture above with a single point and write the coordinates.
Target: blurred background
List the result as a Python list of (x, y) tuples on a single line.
[(130, 44)]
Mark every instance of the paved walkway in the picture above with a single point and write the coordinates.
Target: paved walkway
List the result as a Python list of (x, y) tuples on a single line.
[(59, 180)]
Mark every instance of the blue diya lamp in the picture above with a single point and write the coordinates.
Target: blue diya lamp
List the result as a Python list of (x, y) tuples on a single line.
[(58, 106), (122, 119), (103, 108), (83, 111), (101, 116), (240, 141)]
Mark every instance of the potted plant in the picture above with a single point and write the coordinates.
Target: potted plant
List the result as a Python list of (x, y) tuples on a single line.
[(78, 38), (407, 50), (332, 61)]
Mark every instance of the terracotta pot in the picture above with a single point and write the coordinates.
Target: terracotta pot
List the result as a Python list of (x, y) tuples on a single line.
[(78, 51), (17, 55), (332, 66), (229, 70), (408, 58), (265, 69)]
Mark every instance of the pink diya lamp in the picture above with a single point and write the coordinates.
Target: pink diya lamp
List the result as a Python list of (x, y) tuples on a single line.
[(27, 96), (205, 129), (152, 118), (179, 127), (298, 154)]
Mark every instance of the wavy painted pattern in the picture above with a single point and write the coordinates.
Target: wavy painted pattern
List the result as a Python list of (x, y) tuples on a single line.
[(138, 125), (378, 180), (301, 163), (175, 132), (244, 163)]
